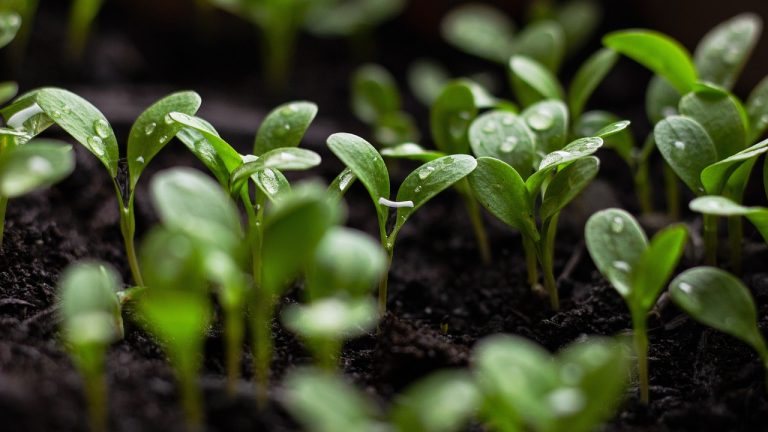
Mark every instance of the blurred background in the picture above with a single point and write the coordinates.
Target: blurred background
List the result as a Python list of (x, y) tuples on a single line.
[(123, 54)]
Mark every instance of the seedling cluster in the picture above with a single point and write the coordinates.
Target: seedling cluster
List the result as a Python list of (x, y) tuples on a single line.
[(235, 244)]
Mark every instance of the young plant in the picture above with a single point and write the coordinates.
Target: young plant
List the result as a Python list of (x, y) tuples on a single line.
[(90, 322), (718, 60), (421, 185), (81, 17), (176, 308), (345, 267), (524, 388), (191, 203), (511, 192), (721, 206), (720, 300), (639, 271), (322, 402)]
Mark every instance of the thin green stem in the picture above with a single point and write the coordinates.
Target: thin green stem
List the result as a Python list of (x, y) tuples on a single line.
[(233, 318), (383, 283), (476, 218), (89, 359), (640, 336), (672, 190), (3, 207), (262, 345), (710, 239), (531, 262), (735, 236), (191, 399), (128, 229), (643, 188), (547, 258)]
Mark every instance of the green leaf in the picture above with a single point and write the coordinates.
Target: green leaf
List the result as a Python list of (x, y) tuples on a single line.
[(88, 304), (532, 82), (284, 126), (480, 30), (451, 116), (154, 128), (721, 206), (720, 114), (719, 300), (292, 231), (426, 80), (324, 402), (501, 190), (716, 176), (349, 19), (341, 184), (8, 90), (661, 99), (10, 22), (288, 158), (272, 183), (659, 53), (26, 117), (616, 244), (191, 202), (757, 110), (332, 318), (346, 262), (444, 401), (722, 53), (650, 274), (504, 136), (412, 151), (577, 149), (567, 184), (549, 122), (374, 93), (395, 128), (206, 144), (588, 77), (366, 164), (35, 165), (579, 19), (429, 180), (687, 149), (543, 41), (614, 132)]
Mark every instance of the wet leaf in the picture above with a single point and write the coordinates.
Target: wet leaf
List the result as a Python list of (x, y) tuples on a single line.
[(504, 136), (722, 53), (284, 126), (35, 165), (687, 149), (532, 82), (588, 77)]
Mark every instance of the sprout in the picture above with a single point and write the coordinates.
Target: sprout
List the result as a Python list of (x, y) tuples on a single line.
[(524, 388), (636, 269), (90, 322), (322, 402), (421, 185), (718, 299), (81, 16)]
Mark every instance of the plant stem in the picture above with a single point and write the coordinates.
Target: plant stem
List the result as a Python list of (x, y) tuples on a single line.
[(735, 236), (389, 248), (640, 336), (233, 318), (191, 399), (673, 192), (476, 218), (547, 258), (710, 239), (643, 188), (531, 262), (128, 229), (89, 360), (3, 207), (262, 346)]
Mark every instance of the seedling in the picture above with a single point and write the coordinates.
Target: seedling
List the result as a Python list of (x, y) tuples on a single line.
[(524, 388), (176, 308), (345, 267), (721, 206), (90, 322), (636, 269), (421, 185), (719, 300), (511, 194), (81, 17), (190, 202), (442, 402)]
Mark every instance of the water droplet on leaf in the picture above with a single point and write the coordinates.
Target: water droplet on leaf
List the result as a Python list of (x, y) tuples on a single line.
[(150, 128), (425, 172)]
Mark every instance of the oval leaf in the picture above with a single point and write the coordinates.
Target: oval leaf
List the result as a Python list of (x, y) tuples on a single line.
[(289, 158), (757, 110), (451, 116), (650, 274), (686, 147), (284, 126), (721, 206), (374, 93), (721, 115), (206, 144), (504, 136), (716, 176), (35, 165), (532, 82), (588, 77), (549, 122), (480, 30), (543, 41), (567, 184), (411, 151), (722, 53)]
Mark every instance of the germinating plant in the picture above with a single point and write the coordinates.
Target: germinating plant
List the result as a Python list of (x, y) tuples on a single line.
[(524, 387), (421, 185), (718, 299), (346, 266), (637, 269), (90, 321), (322, 402)]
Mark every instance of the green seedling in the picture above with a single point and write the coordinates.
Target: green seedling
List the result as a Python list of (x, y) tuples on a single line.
[(376, 101), (345, 268), (81, 17), (90, 322), (190, 202), (720, 300), (421, 185), (512, 192), (355, 19), (442, 402), (176, 309), (721, 206), (637, 269), (718, 60), (525, 388)]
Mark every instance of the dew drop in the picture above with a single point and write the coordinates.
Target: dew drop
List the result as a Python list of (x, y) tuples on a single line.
[(56, 114), (621, 266), (288, 110), (150, 128), (269, 181), (283, 131), (679, 145), (344, 181), (489, 128), (686, 288), (425, 172), (162, 139), (417, 189), (39, 165), (101, 128), (95, 143), (168, 119), (508, 120), (540, 120), (140, 159), (566, 401), (731, 56), (66, 109), (617, 225), (508, 145)]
